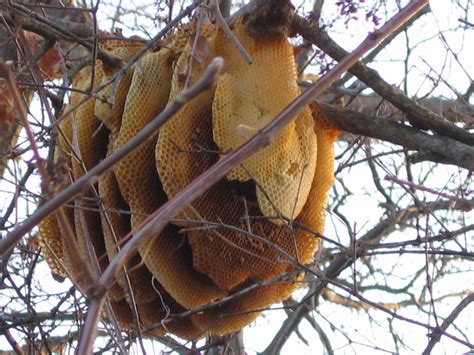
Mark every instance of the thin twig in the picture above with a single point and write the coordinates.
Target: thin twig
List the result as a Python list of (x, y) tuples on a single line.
[(423, 188), (11, 340), (436, 335)]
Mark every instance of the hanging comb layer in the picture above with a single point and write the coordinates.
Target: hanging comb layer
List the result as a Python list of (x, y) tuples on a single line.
[(247, 98)]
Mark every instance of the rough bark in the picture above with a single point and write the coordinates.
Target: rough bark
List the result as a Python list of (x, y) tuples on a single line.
[(439, 148)]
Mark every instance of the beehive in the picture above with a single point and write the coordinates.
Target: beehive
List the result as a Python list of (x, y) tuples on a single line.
[(234, 235)]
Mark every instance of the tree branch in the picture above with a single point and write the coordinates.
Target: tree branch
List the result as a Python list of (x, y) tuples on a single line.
[(417, 115), (436, 336), (56, 29), (451, 150)]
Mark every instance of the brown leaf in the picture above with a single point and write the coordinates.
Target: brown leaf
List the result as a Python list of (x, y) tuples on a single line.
[(6, 104), (50, 62)]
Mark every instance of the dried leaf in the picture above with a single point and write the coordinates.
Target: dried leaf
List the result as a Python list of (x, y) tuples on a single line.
[(50, 62), (6, 104)]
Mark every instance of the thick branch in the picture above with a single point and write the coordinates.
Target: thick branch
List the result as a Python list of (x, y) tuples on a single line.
[(58, 29), (452, 151), (417, 115)]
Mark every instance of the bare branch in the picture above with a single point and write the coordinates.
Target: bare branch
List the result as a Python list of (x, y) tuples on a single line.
[(453, 151), (417, 115), (436, 335)]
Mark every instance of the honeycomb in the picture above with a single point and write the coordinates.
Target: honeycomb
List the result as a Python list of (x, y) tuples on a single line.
[(236, 234), (284, 169), (51, 244), (116, 225), (109, 108), (136, 176), (147, 96), (64, 153), (313, 215)]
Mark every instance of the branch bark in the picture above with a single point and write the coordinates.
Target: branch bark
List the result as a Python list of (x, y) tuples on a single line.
[(438, 146)]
